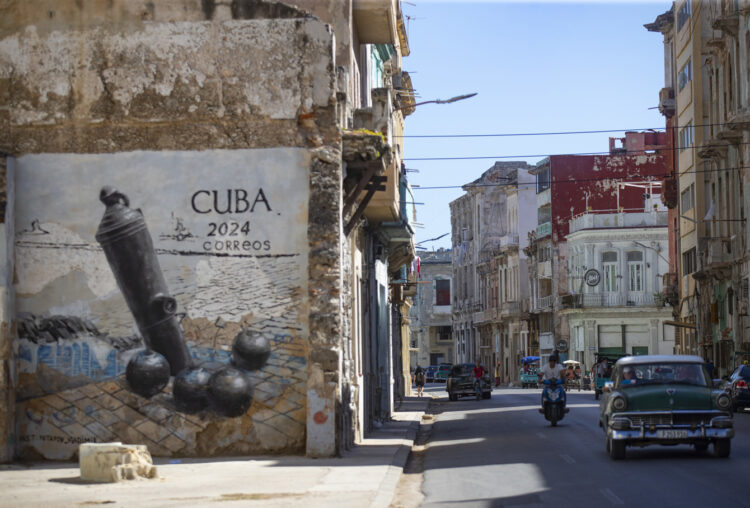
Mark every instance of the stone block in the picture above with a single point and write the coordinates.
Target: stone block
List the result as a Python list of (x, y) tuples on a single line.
[(114, 462)]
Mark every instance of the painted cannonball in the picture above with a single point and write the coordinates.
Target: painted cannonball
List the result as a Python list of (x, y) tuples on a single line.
[(230, 392), (190, 389), (250, 350), (147, 373)]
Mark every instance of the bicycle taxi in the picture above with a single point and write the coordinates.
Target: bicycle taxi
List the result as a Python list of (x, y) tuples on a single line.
[(529, 371)]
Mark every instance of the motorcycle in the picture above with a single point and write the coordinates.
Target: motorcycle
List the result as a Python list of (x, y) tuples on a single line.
[(553, 400)]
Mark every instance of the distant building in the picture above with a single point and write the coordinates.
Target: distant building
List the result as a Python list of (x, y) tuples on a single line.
[(431, 330), (491, 224)]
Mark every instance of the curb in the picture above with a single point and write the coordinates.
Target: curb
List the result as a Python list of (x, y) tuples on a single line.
[(387, 489)]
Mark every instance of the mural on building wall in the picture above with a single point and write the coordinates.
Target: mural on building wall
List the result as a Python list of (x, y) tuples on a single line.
[(180, 324)]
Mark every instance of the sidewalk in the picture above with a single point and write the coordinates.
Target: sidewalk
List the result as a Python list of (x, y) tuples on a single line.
[(366, 476)]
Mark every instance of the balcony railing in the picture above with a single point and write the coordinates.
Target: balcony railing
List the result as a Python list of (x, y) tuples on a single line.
[(617, 219), (544, 229), (544, 302), (510, 308), (609, 300)]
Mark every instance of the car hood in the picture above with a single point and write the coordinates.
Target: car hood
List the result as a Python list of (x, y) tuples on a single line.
[(667, 397)]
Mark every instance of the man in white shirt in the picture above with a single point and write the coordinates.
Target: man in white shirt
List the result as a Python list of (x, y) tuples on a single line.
[(553, 370)]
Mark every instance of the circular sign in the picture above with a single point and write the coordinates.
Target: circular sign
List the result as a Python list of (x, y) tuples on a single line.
[(562, 345), (592, 277)]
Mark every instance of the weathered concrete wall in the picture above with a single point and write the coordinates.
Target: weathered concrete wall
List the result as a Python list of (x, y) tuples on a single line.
[(7, 363), (170, 112)]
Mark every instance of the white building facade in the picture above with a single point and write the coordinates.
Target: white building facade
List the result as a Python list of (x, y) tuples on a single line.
[(616, 264)]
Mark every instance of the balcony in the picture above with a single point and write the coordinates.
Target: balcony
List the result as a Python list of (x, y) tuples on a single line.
[(510, 309), (609, 300), (484, 316), (507, 241), (544, 229), (544, 198), (544, 302), (376, 20), (667, 101), (607, 219), (713, 251)]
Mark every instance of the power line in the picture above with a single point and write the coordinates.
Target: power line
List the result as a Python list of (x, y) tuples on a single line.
[(516, 134), (619, 152), (555, 133), (631, 178)]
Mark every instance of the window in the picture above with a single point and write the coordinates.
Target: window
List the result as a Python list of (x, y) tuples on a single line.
[(688, 261), (685, 75), (443, 292), (683, 15), (444, 333), (686, 136), (635, 271), (609, 262), (542, 181), (687, 199)]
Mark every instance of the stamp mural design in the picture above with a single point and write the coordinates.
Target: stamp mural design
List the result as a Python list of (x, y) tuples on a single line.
[(180, 324)]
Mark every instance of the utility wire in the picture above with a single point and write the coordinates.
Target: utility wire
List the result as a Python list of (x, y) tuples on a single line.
[(619, 152), (629, 178), (555, 133)]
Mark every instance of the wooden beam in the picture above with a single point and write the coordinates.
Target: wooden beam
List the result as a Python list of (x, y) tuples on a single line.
[(351, 198), (360, 210)]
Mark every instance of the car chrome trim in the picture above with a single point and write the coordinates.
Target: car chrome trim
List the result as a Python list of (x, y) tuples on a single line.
[(647, 435)]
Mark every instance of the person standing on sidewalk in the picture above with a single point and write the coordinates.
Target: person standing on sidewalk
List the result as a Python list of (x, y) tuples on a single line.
[(419, 380), (497, 374)]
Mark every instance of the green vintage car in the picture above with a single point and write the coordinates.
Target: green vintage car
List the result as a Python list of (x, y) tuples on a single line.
[(663, 399)]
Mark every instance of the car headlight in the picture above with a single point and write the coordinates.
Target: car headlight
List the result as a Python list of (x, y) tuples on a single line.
[(619, 403), (723, 401)]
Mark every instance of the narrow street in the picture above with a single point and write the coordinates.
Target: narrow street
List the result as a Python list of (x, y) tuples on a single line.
[(502, 452)]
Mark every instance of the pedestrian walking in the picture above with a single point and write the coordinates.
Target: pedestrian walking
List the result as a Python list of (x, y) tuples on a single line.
[(497, 374), (419, 376), (710, 368)]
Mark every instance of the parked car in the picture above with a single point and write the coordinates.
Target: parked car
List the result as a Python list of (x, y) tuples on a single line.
[(663, 399), (738, 387), (460, 382), (430, 373), (443, 372)]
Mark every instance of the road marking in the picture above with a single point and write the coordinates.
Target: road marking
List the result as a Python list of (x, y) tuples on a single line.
[(568, 458), (541, 435), (611, 497)]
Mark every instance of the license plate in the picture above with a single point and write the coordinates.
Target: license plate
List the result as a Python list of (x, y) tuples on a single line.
[(671, 434)]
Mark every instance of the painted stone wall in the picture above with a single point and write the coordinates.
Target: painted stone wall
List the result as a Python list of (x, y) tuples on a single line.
[(233, 250), (191, 120)]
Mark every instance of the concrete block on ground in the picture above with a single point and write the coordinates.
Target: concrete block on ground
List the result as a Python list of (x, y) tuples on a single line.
[(114, 462)]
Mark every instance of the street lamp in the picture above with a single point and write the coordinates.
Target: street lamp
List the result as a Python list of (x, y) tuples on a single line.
[(447, 101), (432, 239)]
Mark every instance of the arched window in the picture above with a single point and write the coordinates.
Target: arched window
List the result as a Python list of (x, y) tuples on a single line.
[(635, 271)]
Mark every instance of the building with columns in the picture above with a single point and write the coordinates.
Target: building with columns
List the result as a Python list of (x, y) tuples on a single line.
[(616, 265)]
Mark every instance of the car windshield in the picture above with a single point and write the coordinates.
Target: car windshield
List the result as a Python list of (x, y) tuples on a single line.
[(662, 373)]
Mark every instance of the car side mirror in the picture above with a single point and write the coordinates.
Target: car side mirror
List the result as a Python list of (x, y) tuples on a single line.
[(608, 386)]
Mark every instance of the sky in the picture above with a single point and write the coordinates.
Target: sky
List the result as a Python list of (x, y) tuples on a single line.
[(536, 67)]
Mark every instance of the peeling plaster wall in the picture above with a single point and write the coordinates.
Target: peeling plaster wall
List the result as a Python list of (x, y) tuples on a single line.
[(161, 103), (599, 175)]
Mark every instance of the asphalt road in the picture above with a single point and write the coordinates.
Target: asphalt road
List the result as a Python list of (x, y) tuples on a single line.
[(502, 452)]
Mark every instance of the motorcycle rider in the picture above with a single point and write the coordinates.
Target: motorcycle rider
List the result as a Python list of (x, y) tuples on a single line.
[(478, 373), (553, 370)]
